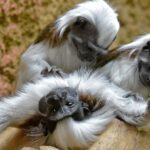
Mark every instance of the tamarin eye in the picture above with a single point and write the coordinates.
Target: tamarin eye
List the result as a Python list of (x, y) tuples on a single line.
[(69, 103), (64, 94), (81, 21)]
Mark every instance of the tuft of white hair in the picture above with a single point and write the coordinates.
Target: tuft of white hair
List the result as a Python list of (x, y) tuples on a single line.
[(137, 44), (100, 13)]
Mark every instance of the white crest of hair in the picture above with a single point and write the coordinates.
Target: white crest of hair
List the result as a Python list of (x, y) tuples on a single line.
[(137, 44), (100, 13), (33, 61), (81, 134)]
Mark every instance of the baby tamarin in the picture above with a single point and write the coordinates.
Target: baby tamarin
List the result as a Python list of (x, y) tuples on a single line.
[(75, 39)]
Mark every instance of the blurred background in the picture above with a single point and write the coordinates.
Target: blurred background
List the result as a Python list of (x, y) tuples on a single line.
[(22, 20)]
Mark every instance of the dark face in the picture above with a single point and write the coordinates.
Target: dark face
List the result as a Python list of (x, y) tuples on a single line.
[(144, 65), (59, 104), (84, 37)]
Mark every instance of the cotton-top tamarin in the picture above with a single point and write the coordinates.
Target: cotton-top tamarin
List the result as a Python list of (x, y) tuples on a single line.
[(75, 39), (131, 71)]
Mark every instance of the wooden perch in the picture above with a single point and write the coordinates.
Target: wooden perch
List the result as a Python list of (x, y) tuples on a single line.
[(118, 136)]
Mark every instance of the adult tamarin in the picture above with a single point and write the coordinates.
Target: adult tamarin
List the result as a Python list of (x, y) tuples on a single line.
[(132, 71), (70, 133), (75, 39)]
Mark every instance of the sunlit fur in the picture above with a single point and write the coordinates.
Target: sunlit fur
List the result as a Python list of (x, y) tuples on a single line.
[(46, 53)]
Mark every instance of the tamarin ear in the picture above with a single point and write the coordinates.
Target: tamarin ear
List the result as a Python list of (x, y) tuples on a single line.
[(137, 44)]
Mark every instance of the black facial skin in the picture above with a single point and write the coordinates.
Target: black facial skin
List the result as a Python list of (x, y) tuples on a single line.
[(144, 65), (84, 37), (59, 104)]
